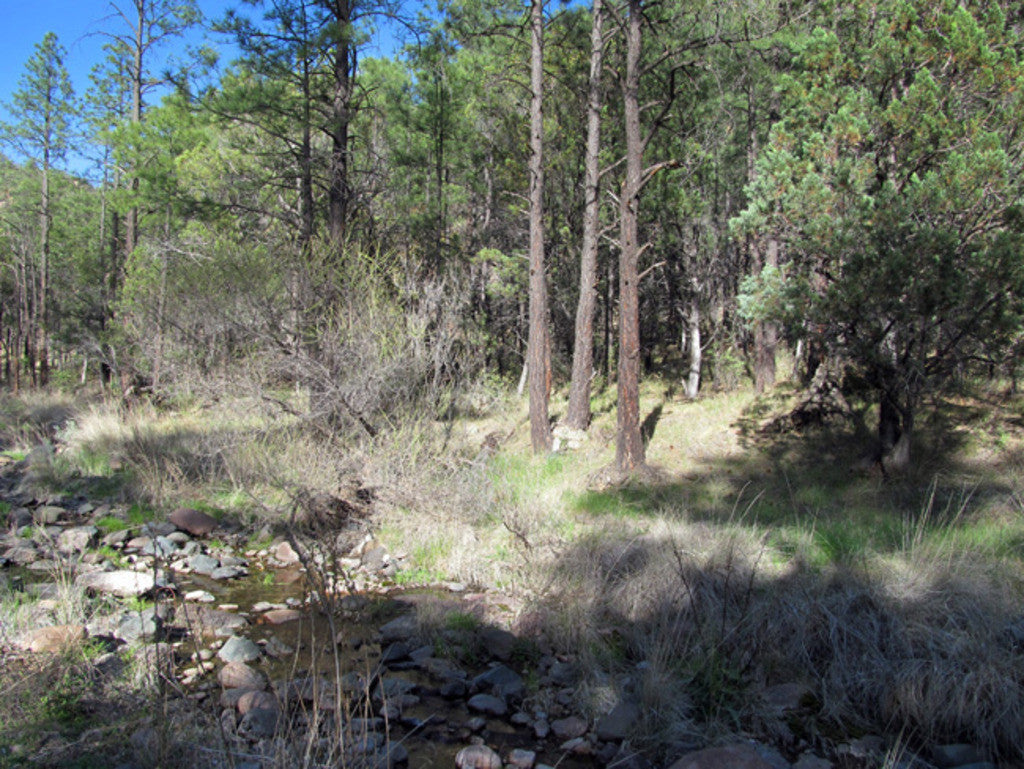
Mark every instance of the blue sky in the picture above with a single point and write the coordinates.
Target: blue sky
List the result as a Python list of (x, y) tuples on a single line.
[(80, 27)]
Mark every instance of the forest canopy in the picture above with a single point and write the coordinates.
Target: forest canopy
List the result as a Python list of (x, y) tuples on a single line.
[(704, 188)]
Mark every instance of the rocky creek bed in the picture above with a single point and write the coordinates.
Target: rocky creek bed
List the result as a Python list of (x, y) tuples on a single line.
[(299, 655)]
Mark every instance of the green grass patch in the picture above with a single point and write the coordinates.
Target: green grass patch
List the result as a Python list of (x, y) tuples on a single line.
[(138, 514), (460, 620), (110, 523)]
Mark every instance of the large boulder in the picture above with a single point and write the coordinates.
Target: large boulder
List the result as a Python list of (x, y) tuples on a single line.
[(122, 583), (195, 522)]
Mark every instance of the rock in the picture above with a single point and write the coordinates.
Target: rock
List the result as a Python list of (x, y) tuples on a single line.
[(399, 629), (227, 572), (123, 583), (161, 547), (201, 563), (22, 555), (55, 638), (251, 700), (393, 687), (396, 652), (195, 522), (783, 698), (259, 723), (238, 675), (284, 553), (391, 754), (499, 643), (282, 616), (47, 514), (488, 703), (139, 625), (115, 538), (276, 648), (616, 725), (729, 757), (375, 559), (77, 539), (578, 745), (158, 529), (502, 681), (522, 759), (811, 761), (206, 621), (238, 649), (569, 728), (477, 757), (947, 756), (199, 596), (563, 673), (541, 729)]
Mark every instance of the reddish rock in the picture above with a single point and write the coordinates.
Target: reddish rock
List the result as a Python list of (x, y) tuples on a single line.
[(281, 616), (55, 638), (238, 675), (195, 522), (252, 700), (286, 554)]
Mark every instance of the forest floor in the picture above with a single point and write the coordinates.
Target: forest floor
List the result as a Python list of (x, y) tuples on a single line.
[(769, 586)]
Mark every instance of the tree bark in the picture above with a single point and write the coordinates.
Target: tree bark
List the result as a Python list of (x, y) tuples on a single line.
[(578, 412), (629, 449), (539, 343), (694, 345), (339, 194)]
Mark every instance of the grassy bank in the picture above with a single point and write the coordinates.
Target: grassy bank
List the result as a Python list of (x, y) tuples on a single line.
[(757, 561)]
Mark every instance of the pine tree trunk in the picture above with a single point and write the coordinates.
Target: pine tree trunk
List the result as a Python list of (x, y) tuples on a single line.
[(629, 448), (539, 344), (578, 412)]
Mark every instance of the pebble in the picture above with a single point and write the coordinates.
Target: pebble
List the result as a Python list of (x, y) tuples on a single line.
[(477, 757)]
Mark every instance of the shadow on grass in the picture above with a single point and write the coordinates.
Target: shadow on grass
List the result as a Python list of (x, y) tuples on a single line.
[(817, 484)]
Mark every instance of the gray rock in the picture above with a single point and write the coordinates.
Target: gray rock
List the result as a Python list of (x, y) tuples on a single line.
[(161, 547), (374, 559), (477, 757), (569, 728), (487, 703), (948, 756), (522, 759), (22, 555), (134, 626), (123, 583), (811, 761), (502, 681), (115, 538), (399, 629), (396, 652), (47, 514), (227, 572), (259, 723), (616, 725), (158, 529), (563, 673), (238, 649), (203, 564), (206, 622), (729, 757), (499, 643), (77, 539), (541, 729)]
